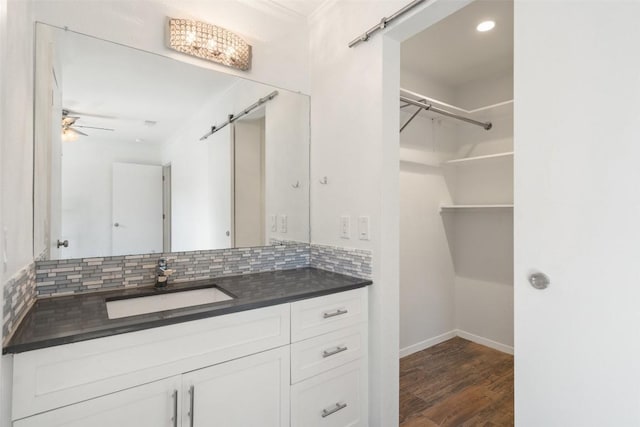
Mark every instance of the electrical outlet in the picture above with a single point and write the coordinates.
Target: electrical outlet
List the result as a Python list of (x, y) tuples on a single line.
[(274, 223), (345, 227), (283, 223), (363, 228)]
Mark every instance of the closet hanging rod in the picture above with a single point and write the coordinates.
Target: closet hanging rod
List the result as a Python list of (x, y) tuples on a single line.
[(426, 106), (233, 117), (384, 22)]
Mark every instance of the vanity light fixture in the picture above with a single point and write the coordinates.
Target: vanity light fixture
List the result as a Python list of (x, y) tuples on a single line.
[(485, 26), (209, 42)]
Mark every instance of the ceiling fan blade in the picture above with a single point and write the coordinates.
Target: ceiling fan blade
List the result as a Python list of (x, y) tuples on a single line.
[(93, 127), (77, 132), (82, 114)]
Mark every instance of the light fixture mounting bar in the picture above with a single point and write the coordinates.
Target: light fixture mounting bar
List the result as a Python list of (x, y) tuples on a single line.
[(233, 117), (384, 22)]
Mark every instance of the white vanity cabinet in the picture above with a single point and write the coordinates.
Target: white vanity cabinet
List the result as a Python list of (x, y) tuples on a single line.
[(236, 370), (249, 391)]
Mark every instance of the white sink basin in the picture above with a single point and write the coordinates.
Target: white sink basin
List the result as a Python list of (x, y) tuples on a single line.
[(164, 301)]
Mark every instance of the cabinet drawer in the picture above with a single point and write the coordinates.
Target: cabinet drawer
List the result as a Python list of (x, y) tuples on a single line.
[(317, 316), (316, 355), (53, 377), (336, 398)]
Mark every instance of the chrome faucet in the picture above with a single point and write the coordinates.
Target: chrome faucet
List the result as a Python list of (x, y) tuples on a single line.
[(162, 273)]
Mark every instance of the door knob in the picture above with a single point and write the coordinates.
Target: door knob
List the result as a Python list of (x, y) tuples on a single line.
[(539, 280), (117, 224)]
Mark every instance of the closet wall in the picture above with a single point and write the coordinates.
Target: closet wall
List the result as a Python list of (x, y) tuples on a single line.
[(457, 262), (427, 274)]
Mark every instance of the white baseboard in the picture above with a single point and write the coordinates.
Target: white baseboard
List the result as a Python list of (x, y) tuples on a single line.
[(414, 348), (485, 341), (423, 345)]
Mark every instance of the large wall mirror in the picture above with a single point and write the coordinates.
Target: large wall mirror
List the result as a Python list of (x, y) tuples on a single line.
[(120, 167)]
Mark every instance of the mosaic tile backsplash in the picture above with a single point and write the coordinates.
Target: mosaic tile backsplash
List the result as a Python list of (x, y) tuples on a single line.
[(352, 262), (63, 277), (19, 295)]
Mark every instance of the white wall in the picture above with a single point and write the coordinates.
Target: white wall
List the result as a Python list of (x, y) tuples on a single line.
[(427, 306), (87, 172), (287, 163), (17, 158), (279, 38)]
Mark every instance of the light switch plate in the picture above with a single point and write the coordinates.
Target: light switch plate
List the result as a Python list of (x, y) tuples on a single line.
[(363, 228), (345, 227), (283, 223)]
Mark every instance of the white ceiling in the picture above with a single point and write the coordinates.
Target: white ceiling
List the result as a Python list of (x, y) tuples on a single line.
[(118, 87), (452, 52), (301, 7)]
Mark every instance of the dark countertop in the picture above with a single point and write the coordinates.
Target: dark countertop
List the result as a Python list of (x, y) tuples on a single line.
[(63, 320)]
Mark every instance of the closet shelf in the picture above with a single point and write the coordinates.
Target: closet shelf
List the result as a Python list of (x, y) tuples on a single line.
[(459, 207), (467, 160)]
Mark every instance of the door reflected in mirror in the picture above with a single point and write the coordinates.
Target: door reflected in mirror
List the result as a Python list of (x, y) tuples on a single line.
[(120, 167)]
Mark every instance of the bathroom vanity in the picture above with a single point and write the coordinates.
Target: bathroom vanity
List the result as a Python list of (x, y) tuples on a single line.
[(248, 332), (289, 349)]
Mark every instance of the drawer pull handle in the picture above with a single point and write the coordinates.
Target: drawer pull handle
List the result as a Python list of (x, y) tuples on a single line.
[(192, 395), (327, 353), (174, 419), (333, 410), (338, 312)]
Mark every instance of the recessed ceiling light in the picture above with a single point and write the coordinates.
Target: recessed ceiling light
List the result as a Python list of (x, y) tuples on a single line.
[(485, 26)]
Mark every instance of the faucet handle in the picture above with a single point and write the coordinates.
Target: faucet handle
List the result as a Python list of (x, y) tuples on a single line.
[(162, 262)]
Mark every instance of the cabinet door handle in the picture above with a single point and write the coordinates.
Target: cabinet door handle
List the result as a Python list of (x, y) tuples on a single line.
[(192, 396), (337, 407), (175, 408), (338, 312), (327, 353)]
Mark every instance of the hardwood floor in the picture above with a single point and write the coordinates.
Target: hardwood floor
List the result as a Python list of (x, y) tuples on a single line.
[(456, 383)]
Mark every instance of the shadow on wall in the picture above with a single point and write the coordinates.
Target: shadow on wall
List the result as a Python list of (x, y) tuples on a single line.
[(481, 244)]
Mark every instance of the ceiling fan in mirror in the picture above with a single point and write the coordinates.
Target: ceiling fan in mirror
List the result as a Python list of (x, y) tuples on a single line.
[(70, 130)]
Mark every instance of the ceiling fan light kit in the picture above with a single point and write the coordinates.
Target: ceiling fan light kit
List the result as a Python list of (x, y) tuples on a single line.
[(210, 42), (70, 132)]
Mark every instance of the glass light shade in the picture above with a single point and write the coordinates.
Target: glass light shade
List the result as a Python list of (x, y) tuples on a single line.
[(68, 135), (209, 42)]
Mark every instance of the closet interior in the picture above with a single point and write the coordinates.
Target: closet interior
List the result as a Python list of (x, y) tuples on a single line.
[(456, 181)]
